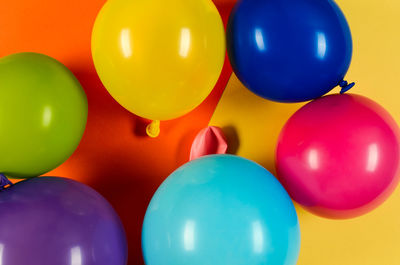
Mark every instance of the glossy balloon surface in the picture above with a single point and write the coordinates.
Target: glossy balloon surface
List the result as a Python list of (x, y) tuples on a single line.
[(339, 156), (159, 59), (289, 50), (43, 111), (221, 209), (51, 220)]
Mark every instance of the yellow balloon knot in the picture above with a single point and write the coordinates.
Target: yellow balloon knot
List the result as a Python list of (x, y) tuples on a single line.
[(153, 129)]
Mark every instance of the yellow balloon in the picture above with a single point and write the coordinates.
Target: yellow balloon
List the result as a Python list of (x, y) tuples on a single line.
[(159, 58)]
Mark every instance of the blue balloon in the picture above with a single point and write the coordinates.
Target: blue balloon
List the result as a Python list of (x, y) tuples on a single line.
[(289, 50), (221, 210)]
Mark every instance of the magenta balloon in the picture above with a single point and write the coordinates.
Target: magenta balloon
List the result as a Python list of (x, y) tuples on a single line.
[(339, 156)]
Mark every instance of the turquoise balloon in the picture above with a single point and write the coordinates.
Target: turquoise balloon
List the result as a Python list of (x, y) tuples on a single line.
[(221, 210)]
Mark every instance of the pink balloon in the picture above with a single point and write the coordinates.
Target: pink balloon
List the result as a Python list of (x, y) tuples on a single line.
[(339, 156), (209, 141)]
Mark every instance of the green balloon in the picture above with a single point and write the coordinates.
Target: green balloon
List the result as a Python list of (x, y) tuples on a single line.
[(43, 112)]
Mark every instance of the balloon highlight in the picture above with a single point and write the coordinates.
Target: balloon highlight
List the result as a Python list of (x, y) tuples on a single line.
[(289, 50), (221, 209), (52, 220), (43, 112), (157, 61), (339, 156)]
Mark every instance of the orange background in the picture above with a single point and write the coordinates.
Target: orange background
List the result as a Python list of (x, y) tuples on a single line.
[(115, 157), (118, 160)]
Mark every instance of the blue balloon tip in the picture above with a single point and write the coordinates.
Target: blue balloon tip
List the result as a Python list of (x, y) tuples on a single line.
[(345, 86), (4, 182)]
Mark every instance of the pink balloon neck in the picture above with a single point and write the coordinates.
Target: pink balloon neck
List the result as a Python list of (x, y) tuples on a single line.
[(209, 141)]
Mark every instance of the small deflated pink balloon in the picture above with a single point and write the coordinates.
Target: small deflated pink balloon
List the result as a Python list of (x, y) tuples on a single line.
[(339, 156), (209, 141)]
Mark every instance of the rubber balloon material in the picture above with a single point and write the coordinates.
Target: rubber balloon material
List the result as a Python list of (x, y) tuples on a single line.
[(289, 50), (4, 182), (221, 209), (43, 112), (339, 156), (51, 220), (156, 61), (209, 141)]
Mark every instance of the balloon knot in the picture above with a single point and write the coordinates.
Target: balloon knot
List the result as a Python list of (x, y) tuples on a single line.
[(345, 86), (4, 182), (153, 129)]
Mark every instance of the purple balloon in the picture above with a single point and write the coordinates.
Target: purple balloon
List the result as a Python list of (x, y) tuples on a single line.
[(58, 221)]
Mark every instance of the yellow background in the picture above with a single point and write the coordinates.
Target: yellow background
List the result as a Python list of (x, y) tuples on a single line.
[(252, 126)]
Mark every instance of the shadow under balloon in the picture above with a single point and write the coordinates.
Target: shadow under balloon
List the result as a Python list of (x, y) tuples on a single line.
[(232, 138), (130, 196), (116, 157), (251, 124)]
